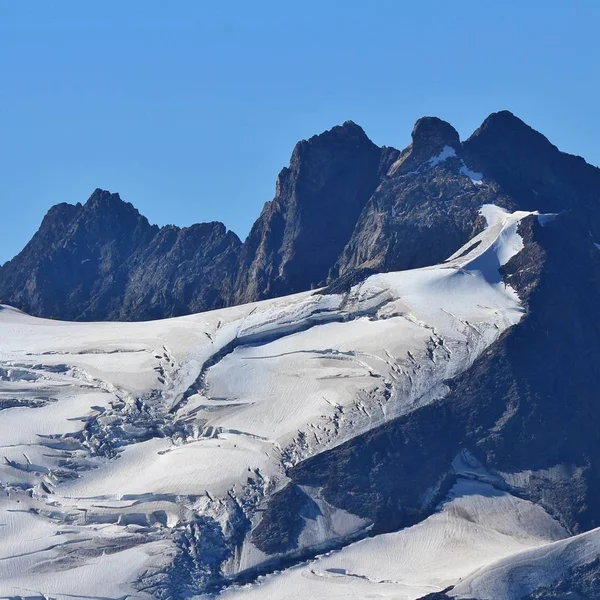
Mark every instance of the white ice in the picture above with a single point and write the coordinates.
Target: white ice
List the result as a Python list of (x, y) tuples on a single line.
[(477, 525), (446, 152)]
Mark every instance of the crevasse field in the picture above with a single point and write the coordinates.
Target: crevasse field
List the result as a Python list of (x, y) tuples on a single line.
[(114, 436)]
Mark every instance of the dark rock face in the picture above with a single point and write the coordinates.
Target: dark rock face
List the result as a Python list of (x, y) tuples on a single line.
[(103, 260), (76, 256), (318, 200), (418, 219), (344, 207), (531, 169), (423, 209), (528, 404), (182, 271), (300, 506)]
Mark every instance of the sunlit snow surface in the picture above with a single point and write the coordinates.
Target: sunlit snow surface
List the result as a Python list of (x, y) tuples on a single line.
[(476, 526), (114, 436)]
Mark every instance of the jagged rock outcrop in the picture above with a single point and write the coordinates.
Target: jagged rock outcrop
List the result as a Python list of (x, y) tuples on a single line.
[(103, 260), (318, 199)]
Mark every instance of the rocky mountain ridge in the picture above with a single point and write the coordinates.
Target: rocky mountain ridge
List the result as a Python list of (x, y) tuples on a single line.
[(342, 206)]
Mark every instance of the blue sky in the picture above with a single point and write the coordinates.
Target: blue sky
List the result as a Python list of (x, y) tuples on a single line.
[(189, 109)]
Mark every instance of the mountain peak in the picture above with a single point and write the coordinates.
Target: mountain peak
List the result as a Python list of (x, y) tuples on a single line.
[(349, 131), (324, 150), (433, 134), (504, 127), (103, 198), (103, 202), (430, 136), (99, 195), (504, 117), (351, 127), (318, 201)]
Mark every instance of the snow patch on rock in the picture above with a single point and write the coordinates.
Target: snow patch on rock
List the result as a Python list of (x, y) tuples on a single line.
[(447, 152)]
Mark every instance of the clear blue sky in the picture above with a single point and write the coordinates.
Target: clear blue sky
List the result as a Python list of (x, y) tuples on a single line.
[(189, 109)]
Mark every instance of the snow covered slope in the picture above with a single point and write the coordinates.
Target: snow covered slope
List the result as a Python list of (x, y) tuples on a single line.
[(537, 570), (141, 453), (474, 527)]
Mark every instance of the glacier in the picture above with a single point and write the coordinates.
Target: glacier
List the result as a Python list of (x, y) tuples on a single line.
[(137, 457)]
